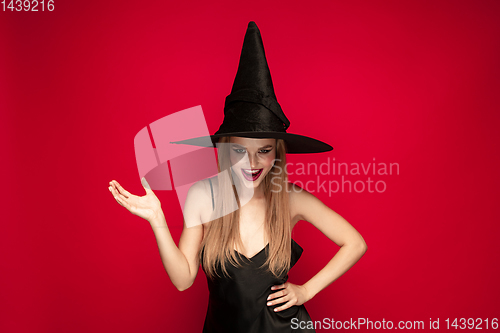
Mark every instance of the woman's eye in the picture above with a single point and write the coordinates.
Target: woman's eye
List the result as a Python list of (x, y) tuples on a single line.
[(242, 151), (239, 151)]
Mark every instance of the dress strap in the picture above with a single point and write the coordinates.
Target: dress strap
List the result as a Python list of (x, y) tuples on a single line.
[(212, 191)]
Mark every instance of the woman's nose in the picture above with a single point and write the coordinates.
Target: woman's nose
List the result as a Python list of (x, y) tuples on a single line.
[(252, 159)]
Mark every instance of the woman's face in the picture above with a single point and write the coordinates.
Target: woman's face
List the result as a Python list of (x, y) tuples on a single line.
[(252, 159)]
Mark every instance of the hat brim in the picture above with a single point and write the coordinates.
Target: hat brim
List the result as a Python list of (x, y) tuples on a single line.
[(295, 144)]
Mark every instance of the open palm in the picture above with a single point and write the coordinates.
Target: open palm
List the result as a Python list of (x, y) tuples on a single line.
[(148, 206)]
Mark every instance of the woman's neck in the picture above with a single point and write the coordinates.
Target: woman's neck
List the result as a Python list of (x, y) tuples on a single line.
[(248, 194)]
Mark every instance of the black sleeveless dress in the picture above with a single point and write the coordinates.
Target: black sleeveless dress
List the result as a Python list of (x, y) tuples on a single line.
[(238, 303)]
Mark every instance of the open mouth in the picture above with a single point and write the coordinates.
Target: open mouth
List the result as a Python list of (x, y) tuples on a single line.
[(251, 174)]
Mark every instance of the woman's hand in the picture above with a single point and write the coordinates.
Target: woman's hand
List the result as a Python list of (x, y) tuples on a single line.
[(148, 206), (292, 294)]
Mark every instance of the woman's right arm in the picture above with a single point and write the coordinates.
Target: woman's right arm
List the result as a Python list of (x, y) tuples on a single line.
[(181, 263)]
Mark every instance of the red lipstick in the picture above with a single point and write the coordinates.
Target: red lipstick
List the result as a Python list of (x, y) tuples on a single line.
[(251, 174)]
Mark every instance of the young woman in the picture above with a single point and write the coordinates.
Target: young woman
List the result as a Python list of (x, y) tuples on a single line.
[(241, 220), (260, 235)]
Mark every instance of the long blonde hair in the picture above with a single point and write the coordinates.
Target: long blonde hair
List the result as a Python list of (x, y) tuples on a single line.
[(222, 234)]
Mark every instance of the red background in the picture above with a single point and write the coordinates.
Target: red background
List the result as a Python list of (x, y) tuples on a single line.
[(413, 83)]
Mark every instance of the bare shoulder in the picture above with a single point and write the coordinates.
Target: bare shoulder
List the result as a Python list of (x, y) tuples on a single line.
[(305, 206), (295, 197), (198, 204), (197, 191), (196, 210), (301, 201)]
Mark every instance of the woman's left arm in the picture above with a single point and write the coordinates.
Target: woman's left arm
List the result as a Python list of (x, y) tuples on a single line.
[(352, 247)]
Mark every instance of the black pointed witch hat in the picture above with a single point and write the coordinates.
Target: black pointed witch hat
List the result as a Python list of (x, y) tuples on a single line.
[(252, 110)]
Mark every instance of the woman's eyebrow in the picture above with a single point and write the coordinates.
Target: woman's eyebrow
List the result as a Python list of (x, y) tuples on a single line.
[(240, 146)]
